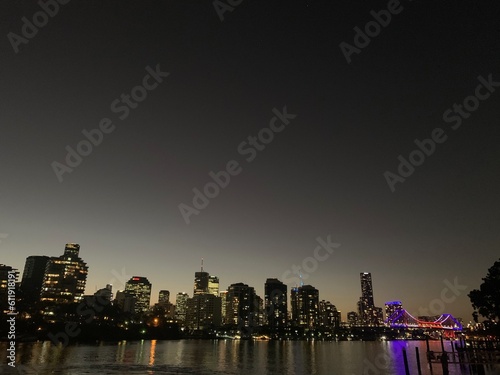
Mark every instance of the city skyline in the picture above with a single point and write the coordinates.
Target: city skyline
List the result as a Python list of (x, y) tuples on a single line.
[(108, 129), (202, 280)]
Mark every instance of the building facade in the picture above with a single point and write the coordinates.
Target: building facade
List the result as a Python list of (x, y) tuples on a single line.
[(140, 288), (307, 306), (181, 306), (65, 277), (329, 316), (200, 282), (369, 315), (33, 278), (241, 309), (275, 305), (203, 311), (213, 285)]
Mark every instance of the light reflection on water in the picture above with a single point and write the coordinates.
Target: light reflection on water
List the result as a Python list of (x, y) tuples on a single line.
[(225, 357)]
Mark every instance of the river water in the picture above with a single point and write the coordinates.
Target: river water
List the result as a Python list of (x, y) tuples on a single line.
[(225, 357)]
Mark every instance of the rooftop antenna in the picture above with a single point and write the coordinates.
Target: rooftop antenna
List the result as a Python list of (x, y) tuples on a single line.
[(201, 264), (301, 281)]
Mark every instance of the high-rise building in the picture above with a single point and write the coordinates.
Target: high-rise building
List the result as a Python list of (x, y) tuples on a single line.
[(329, 316), (368, 313), (213, 285), (65, 277), (241, 309), (164, 298), (203, 311), (366, 288), (307, 306), (275, 305), (140, 288), (223, 301), (181, 306), (33, 277), (200, 282)]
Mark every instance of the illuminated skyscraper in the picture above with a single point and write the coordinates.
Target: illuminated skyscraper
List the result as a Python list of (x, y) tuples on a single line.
[(65, 277), (275, 305), (213, 285), (140, 288), (181, 306), (366, 289), (241, 307), (368, 313), (223, 301), (203, 311), (305, 302)]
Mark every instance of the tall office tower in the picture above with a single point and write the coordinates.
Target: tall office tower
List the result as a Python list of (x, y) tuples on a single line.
[(241, 309), (308, 306), (201, 281), (366, 288), (32, 281), (203, 311), (392, 307), (140, 288), (223, 301), (275, 305), (367, 311), (164, 298), (181, 306), (8, 287), (65, 277), (329, 316), (213, 285)]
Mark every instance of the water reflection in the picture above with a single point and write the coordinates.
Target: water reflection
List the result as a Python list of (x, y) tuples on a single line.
[(227, 357), (152, 352)]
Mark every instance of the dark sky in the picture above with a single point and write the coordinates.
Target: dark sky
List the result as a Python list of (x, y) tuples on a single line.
[(323, 175)]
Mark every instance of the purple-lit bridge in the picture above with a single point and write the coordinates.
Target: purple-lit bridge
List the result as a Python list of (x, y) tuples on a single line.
[(403, 319)]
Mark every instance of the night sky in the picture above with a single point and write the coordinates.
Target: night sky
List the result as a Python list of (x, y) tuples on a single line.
[(322, 175)]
